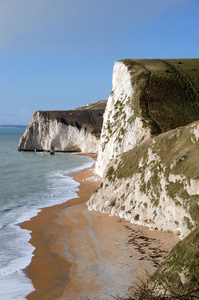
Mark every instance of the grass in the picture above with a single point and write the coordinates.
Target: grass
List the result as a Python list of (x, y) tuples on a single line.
[(110, 174), (184, 259), (129, 163), (100, 105), (165, 97), (164, 286), (190, 67)]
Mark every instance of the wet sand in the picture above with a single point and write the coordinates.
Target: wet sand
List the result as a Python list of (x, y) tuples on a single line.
[(81, 254)]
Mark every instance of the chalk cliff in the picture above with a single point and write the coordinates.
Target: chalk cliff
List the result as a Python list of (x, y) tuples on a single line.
[(148, 156), (122, 127), (155, 184), (77, 131), (149, 97)]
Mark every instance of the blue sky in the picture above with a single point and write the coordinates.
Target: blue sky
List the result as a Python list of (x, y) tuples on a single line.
[(59, 54)]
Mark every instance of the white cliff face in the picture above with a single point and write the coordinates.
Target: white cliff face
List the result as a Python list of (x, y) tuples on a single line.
[(122, 127), (162, 190), (42, 134), (138, 207), (127, 199)]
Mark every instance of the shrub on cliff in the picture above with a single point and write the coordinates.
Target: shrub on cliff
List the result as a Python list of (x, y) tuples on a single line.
[(165, 288)]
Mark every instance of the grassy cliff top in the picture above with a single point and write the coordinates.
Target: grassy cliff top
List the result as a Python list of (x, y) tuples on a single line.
[(167, 91), (94, 106), (190, 67)]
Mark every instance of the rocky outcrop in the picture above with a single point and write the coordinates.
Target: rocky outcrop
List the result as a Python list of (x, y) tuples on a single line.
[(149, 97), (65, 131)]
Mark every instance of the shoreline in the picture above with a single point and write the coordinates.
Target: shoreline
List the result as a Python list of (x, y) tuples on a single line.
[(76, 256)]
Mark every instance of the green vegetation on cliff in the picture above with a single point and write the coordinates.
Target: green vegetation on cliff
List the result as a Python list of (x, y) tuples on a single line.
[(183, 260), (100, 105), (190, 67), (178, 277), (167, 95), (176, 152)]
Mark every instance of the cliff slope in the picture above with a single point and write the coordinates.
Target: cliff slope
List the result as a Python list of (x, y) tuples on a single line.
[(75, 130), (156, 183), (149, 97)]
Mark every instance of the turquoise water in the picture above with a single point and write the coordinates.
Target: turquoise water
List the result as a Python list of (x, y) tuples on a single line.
[(28, 182)]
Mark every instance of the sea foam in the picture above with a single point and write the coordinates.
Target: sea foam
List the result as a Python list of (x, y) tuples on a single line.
[(34, 181)]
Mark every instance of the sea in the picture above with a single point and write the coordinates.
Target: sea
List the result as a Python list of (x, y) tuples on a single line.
[(29, 181)]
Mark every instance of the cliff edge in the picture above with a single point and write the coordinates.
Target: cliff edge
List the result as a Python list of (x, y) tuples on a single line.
[(149, 97)]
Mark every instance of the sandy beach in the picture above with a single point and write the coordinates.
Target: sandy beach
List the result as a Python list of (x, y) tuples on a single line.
[(81, 254)]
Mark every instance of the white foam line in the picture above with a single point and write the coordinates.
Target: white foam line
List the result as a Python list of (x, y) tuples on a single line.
[(14, 284)]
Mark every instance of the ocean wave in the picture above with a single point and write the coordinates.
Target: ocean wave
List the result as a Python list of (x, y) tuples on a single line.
[(15, 250)]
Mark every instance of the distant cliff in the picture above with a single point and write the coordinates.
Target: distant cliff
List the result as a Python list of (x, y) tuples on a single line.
[(66, 131)]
